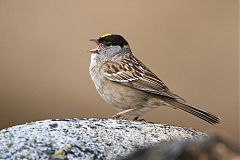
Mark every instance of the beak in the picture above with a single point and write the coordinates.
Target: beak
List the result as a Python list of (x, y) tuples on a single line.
[(95, 50), (94, 40)]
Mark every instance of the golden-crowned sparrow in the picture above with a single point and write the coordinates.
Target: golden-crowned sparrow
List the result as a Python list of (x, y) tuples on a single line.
[(126, 83)]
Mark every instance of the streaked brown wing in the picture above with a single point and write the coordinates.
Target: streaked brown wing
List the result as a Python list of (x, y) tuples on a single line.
[(133, 73)]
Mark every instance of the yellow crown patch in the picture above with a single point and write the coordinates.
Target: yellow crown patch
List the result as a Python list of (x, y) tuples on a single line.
[(105, 35)]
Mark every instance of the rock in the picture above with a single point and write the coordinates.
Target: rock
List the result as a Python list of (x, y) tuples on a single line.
[(87, 138)]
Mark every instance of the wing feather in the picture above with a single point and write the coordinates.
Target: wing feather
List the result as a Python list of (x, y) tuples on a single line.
[(133, 73)]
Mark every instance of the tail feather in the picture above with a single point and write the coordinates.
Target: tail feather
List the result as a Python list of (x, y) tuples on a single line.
[(183, 105)]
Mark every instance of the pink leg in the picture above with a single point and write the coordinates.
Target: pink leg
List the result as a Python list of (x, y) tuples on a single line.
[(119, 114)]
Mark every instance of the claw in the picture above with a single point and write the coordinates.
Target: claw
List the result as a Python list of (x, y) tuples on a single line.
[(137, 119)]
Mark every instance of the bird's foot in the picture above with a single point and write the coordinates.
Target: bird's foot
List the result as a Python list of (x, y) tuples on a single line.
[(117, 116), (137, 119)]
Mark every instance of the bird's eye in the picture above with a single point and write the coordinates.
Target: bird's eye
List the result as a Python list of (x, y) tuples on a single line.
[(108, 44)]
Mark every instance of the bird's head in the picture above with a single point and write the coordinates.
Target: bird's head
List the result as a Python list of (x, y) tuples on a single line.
[(109, 44)]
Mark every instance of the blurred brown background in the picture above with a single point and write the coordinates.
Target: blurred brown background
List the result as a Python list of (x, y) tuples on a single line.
[(191, 45)]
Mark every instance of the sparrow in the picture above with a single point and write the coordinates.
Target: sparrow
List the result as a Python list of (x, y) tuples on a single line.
[(126, 83)]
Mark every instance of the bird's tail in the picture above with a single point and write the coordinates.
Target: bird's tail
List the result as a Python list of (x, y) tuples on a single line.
[(183, 105)]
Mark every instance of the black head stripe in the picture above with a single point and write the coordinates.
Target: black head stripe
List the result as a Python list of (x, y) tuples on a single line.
[(113, 39)]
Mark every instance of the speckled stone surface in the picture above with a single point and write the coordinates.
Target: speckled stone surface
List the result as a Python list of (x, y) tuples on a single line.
[(87, 138)]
